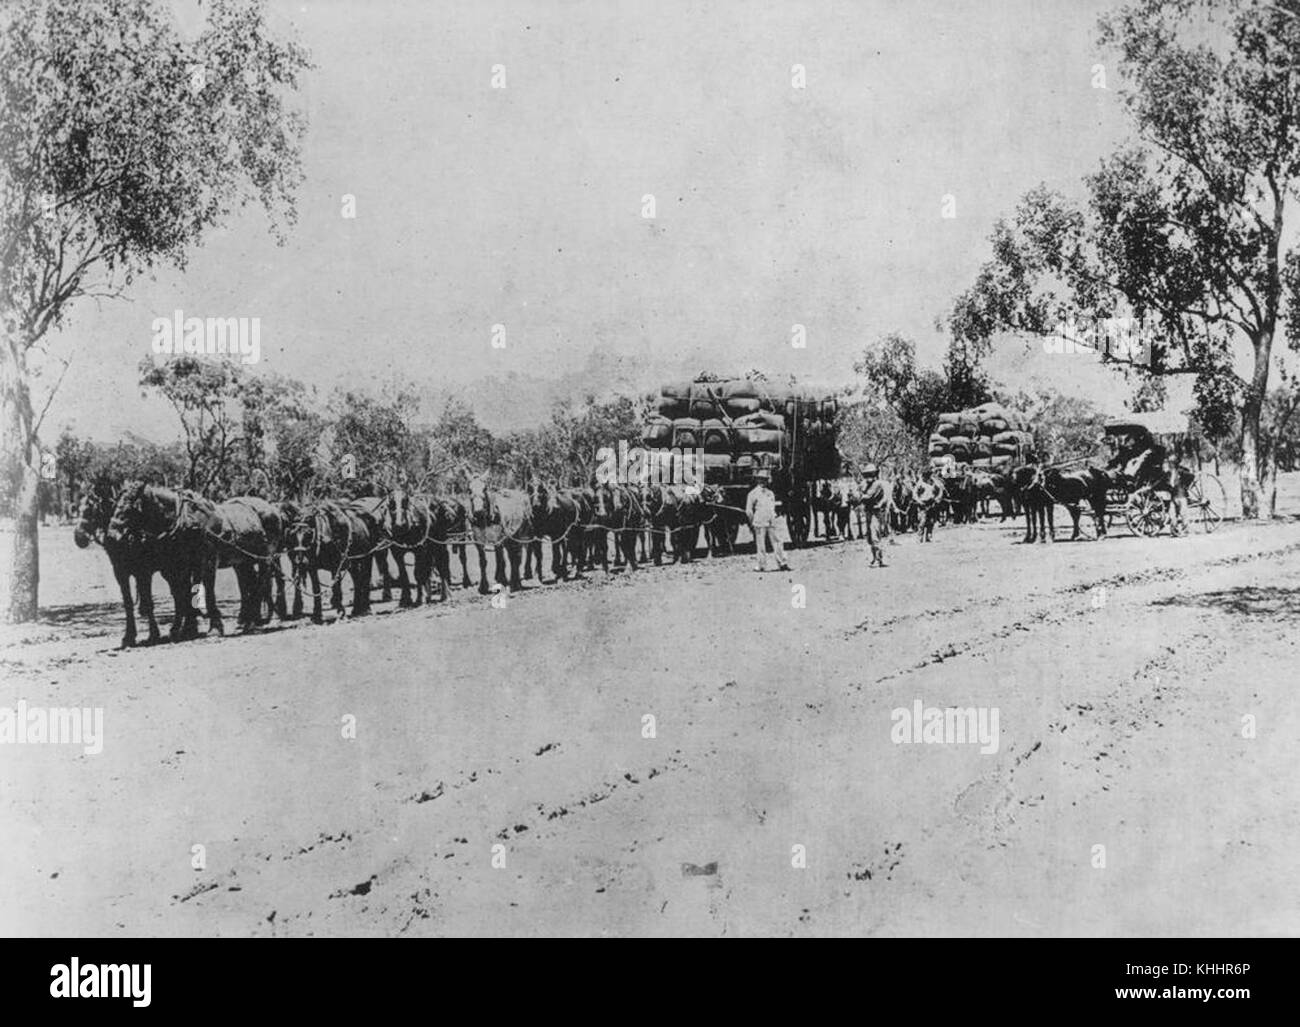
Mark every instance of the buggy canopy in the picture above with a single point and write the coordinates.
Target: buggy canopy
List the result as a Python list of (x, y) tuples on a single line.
[(1160, 422)]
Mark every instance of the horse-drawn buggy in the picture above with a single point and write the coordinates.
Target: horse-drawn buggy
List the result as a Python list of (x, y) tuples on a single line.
[(1170, 496)]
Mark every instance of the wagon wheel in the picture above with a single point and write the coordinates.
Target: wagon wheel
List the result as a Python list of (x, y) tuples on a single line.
[(1206, 501), (1145, 513)]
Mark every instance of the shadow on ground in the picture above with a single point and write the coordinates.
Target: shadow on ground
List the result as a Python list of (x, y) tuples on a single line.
[(1248, 600)]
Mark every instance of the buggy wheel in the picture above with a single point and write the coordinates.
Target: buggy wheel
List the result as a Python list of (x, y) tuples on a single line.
[(1206, 501), (1145, 514)]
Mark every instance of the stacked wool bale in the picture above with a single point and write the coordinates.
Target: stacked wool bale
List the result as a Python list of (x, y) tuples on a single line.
[(743, 425), (989, 435)]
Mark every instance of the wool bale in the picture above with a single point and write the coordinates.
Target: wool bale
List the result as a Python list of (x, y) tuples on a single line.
[(741, 406), (740, 389), (704, 409), (686, 433), (759, 439), (658, 432), (715, 438)]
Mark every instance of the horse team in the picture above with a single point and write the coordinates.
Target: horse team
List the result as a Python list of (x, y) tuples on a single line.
[(185, 537), (149, 529), (1033, 490)]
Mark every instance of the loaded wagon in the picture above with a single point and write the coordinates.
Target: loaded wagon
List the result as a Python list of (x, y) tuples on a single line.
[(746, 425), (987, 437)]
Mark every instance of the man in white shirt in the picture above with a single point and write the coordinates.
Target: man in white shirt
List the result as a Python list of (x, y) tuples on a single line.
[(760, 508)]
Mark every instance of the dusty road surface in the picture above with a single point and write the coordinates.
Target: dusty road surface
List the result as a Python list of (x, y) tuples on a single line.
[(470, 769)]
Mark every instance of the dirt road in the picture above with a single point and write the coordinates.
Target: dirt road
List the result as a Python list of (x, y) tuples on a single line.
[(504, 777)]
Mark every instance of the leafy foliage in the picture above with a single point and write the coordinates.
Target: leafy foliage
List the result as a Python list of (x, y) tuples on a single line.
[(1184, 230), (918, 395), (122, 143)]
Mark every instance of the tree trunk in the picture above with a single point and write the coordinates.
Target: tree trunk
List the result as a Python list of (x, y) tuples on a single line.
[(1250, 485), (20, 556), (19, 492), (1251, 412)]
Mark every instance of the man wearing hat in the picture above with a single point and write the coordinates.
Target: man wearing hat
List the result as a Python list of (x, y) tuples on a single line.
[(760, 508), (928, 494), (875, 503)]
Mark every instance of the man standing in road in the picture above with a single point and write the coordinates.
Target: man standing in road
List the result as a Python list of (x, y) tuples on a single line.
[(875, 504), (928, 495), (760, 508)]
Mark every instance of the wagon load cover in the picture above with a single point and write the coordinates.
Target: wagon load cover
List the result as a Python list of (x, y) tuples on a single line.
[(744, 426)]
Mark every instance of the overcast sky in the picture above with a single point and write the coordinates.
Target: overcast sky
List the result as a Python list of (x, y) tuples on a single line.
[(522, 206)]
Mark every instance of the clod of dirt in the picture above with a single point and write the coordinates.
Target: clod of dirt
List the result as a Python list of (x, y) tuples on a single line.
[(361, 889)]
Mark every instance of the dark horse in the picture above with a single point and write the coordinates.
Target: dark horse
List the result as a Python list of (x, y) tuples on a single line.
[(904, 514), (1027, 483), (722, 521), (989, 485), (145, 530), (826, 501), (335, 537), (431, 527), (616, 511), (247, 533), (1072, 489), (797, 514), (557, 515), (407, 520), (673, 515), (94, 516)]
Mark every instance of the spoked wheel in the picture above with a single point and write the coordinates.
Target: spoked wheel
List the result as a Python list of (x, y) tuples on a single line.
[(1206, 501), (1145, 513)]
